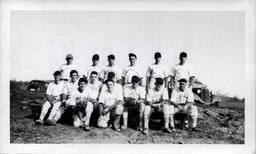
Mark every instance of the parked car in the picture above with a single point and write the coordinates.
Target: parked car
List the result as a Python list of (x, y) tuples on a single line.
[(37, 85)]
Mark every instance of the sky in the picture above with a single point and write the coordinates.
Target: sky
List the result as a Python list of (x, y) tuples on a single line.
[(214, 41)]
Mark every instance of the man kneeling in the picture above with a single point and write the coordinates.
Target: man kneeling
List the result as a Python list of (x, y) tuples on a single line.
[(182, 100), (157, 100), (110, 103)]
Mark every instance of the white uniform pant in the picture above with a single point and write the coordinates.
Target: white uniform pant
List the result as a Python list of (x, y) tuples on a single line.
[(80, 119), (45, 108), (139, 106), (161, 107), (104, 119), (191, 111)]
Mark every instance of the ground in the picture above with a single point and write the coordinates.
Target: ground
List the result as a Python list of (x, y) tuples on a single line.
[(222, 124)]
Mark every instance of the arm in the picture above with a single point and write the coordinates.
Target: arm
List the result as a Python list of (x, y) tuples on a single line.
[(191, 81)]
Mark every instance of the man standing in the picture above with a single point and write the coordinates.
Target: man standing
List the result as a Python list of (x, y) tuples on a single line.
[(66, 68), (131, 70), (182, 100), (94, 67), (111, 105), (111, 67), (53, 96), (134, 97), (182, 70), (156, 70), (157, 101), (69, 87)]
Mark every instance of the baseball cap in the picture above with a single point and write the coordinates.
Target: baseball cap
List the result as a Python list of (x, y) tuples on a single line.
[(132, 55), (56, 73), (159, 81), (95, 57), (183, 80), (111, 56), (135, 79), (158, 54), (69, 56), (183, 54)]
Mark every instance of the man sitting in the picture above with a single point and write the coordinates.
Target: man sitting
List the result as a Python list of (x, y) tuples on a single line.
[(110, 103), (157, 101), (134, 97), (182, 100)]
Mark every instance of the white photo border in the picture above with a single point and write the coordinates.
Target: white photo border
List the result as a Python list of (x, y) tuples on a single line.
[(246, 6)]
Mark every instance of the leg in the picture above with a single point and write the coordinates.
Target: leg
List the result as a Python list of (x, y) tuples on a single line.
[(55, 108), (147, 112), (172, 110), (118, 112), (141, 111), (125, 116), (59, 113), (193, 114), (88, 111), (166, 113), (47, 105)]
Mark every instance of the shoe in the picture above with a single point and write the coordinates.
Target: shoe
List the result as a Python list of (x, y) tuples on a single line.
[(86, 128), (195, 129), (117, 129), (145, 131), (124, 127), (173, 129), (139, 128), (54, 122), (39, 121), (167, 130), (49, 122)]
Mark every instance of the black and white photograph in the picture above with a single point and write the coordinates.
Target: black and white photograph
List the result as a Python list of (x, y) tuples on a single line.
[(129, 77)]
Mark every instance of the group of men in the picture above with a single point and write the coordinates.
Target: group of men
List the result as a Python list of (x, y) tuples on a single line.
[(112, 93)]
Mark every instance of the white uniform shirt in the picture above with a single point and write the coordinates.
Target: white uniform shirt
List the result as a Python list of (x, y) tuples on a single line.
[(157, 96), (76, 94), (130, 71), (94, 89), (91, 68), (107, 69), (55, 90), (65, 70), (157, 71), (182, 71), (138, 93), (69, 87), (117, 87), (108, 98), (182, 97)]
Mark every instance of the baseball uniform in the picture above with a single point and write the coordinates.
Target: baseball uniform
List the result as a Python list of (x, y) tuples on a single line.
[(181, 98), (55, 91)]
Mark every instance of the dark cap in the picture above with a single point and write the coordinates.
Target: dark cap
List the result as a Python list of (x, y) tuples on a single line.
[(135, 79), (183, 80), (83, 80), (111, 75), (95, 57), (111, 56), (157, 55), (69, 56), (56, 73), (159, 81), (183, 54), (132, 55)]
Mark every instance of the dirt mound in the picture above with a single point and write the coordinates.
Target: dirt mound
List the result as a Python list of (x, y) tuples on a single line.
[(218, 125)]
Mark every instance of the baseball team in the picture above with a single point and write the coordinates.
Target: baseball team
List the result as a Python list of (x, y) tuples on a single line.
[(112, 93)]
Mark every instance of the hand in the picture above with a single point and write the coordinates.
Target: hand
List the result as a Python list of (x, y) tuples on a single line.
[(180, 107), (53, 101)]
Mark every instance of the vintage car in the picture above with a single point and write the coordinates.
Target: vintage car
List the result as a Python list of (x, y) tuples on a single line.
[(37, 85)]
